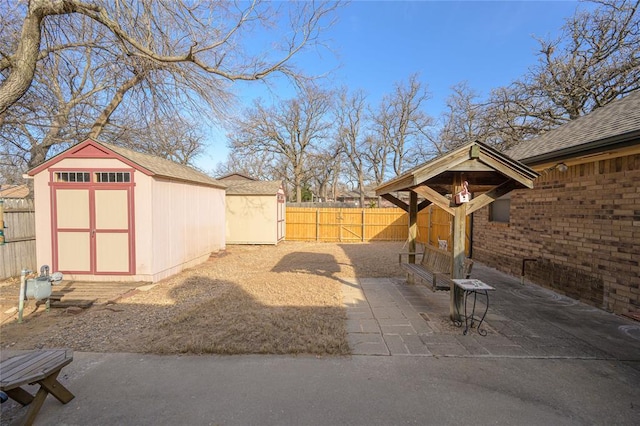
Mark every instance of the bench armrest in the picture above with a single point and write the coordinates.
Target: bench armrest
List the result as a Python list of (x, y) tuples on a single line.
[(408, 253), (437, 275)]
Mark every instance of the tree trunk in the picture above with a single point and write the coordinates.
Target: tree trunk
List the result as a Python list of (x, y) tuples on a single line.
[(361, 187), (106, 113), (23, 65), (38, 155)]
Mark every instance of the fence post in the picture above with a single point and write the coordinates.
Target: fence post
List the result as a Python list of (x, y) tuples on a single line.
[(317, 224), (1, 222), (363, 229)]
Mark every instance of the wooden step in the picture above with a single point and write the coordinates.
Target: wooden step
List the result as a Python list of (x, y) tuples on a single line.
[(94, 292)]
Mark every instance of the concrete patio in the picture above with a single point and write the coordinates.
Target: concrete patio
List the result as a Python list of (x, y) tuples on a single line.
[(546, 359), (389, 317)]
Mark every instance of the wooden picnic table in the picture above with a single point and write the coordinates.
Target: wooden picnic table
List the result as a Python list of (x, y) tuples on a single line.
[(37, 367)]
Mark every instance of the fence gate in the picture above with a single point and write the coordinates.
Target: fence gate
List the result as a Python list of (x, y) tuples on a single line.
[(19, 248), (346, 224), (376, 224)]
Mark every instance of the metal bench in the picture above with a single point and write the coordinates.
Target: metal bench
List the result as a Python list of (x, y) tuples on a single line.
[(434, 268), (37, 367)]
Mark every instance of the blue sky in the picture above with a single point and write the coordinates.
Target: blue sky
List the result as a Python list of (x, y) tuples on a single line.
[(377, 43)]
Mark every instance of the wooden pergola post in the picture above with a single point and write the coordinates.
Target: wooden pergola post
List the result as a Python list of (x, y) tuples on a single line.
[(413, 229), (413, 225), (458, 252)]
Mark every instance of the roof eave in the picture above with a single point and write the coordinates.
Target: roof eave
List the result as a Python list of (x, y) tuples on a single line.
[(600, 145), (189, 181), (395, 185), (60, 156)]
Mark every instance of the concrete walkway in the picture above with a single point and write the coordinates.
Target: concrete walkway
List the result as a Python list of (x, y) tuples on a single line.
[(546, 360), (389, 317)]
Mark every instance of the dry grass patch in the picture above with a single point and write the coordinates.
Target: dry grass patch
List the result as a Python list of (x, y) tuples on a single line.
[(248, 299)]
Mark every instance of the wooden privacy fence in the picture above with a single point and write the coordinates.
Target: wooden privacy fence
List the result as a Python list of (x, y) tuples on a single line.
[(19, 249), (363, 225)]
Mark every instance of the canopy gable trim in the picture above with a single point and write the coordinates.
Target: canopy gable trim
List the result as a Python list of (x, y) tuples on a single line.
[(474, 157)]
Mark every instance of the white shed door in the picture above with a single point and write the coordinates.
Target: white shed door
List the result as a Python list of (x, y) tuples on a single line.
[(93, 230)]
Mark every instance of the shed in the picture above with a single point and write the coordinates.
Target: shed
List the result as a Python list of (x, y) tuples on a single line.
[(255, 212), (107, 213)]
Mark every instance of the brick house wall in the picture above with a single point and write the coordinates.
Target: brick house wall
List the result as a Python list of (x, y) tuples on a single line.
[(583, 228)]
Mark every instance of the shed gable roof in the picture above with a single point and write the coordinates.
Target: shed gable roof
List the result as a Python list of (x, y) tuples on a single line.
[(616, 122), (237, 176), (146, 163), (253, 187)]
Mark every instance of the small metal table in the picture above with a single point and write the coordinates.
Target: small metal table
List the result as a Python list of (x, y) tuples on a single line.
[(473, 287)]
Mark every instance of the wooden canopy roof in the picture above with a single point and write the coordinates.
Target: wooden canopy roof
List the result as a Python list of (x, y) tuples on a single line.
[(487, 171)]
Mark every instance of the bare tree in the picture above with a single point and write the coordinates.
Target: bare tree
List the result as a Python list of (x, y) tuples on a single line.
[(81, 89), (463, 120), (324, 168), (289, 130), (130, 69), (174, 138), (595, 60), (247, 163), (350, 125), (203, 35), (376, 155), (400, 122), (50, 113)]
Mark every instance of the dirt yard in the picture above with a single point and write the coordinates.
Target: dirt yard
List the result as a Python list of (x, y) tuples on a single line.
[(247, 299)]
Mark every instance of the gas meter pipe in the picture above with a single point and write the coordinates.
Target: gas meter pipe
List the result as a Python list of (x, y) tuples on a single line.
[(23, 283)]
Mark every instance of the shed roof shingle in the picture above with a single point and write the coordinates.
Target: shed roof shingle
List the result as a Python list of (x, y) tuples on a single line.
[(146, 163), (162, 167), (618, 118), (244, 187)]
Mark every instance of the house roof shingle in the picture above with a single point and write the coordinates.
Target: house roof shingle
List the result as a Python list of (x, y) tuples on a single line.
[(619, 118)]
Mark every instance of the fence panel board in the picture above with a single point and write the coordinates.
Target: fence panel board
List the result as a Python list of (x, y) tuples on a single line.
[(19, 250), (329, 225), (386, 224), (375, 224), (301, 224)]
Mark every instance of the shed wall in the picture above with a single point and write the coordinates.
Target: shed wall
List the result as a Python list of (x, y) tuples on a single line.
[(582, 226), (42, 201), (251, 219), (188, 225)]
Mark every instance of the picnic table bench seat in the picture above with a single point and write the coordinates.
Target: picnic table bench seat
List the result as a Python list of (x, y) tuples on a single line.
[(434, 268), (36, 367)]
